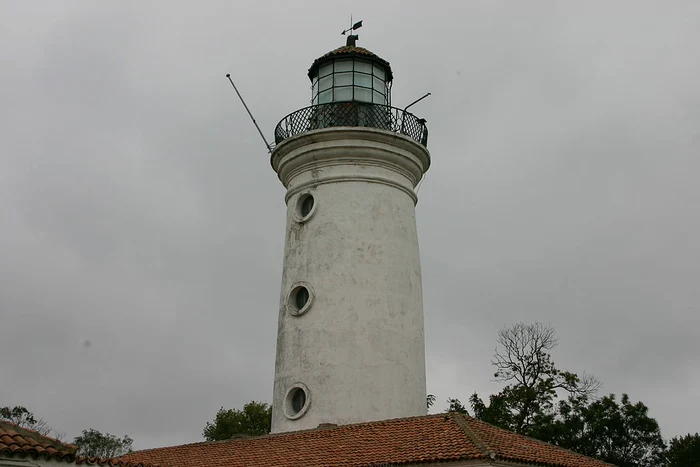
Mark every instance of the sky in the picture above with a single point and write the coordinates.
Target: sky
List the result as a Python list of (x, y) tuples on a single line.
[(142, 226)]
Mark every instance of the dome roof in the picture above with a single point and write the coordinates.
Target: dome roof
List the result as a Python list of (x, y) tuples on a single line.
[(350, 51)]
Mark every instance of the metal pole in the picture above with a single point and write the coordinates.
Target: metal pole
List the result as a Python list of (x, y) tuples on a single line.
[(267, 145), (403, 115), (415, 102)]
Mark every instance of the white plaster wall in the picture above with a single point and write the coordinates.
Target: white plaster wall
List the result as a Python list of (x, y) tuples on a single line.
[(360, 348)]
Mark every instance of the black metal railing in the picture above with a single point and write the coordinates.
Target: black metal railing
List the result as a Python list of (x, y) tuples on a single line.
[(353, 113)]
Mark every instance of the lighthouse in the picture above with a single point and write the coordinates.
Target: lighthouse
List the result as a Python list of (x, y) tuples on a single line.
[(350, 344)]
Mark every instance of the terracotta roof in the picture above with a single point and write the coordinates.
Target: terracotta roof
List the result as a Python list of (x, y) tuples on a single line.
[(18, 441), (417, 440), (15, 440), (350, 51), (111, 462)]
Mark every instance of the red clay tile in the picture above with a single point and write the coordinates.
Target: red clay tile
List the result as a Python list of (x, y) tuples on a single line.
[(427, 439), (15, 440), (23, 442)]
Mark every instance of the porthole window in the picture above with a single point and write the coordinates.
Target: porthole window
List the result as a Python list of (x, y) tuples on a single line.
[(305, 207), (307, 204), (297, 402), (300, 298)]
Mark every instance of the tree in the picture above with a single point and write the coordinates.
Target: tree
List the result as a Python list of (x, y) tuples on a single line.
[(684, 451), (254, 420), (523, 361), (620, 433), (455, 405), (430, 400), (92, 443), (558, 407), (22, 417)]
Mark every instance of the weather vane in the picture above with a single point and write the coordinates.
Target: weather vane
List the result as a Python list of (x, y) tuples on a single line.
[(352, 38)]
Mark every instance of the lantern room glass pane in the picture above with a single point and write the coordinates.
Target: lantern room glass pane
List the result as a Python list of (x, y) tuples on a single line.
[(363, 80), (325, 97), (325, 83), (343, 94), (364, 67), (346, 79), (343, 65), (379, 72), (363, 94), (326, 69), (342, 79)]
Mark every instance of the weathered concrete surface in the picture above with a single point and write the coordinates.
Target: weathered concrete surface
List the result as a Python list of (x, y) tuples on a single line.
[(360, 347)]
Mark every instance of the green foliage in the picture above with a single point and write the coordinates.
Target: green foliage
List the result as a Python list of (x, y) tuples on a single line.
[(619, 433), (22, 417), (523, 361), (544, 402), (254, 420), (684, 451), (92, 443), (430, 400), (456, 406), (498, 412), (19, 416)]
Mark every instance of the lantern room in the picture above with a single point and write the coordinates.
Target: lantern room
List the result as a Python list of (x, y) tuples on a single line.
[(351, 87), (350, 73)]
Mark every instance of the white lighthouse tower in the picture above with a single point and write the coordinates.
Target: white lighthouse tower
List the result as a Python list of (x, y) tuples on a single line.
[(350, 345)]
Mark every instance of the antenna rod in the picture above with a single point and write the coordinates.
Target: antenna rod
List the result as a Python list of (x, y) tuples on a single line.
[(415, 102), (269, 148), (403, 115)]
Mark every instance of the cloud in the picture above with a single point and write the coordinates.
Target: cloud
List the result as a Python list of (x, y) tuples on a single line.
[(140, 213)]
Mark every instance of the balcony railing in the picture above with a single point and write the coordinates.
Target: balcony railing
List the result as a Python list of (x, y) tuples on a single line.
[(357, 114)]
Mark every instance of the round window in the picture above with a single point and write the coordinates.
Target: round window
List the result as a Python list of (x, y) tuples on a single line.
[(307, 204), (297, 402), (300, 298), (305, 207)]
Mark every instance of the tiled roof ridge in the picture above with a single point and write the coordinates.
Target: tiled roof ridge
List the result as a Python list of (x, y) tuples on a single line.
[(499, 456), (218, 441), (350, 49), (204, 443), (462, 421), (111, 462), (20, 429), (18, 440), (287, 433), (431, 438)]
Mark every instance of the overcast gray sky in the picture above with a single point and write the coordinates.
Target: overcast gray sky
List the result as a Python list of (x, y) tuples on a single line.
[(142, 226)]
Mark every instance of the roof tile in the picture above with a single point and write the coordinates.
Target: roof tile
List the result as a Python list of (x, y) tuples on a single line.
[(110, 462), (426, 439), (16, 440)]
